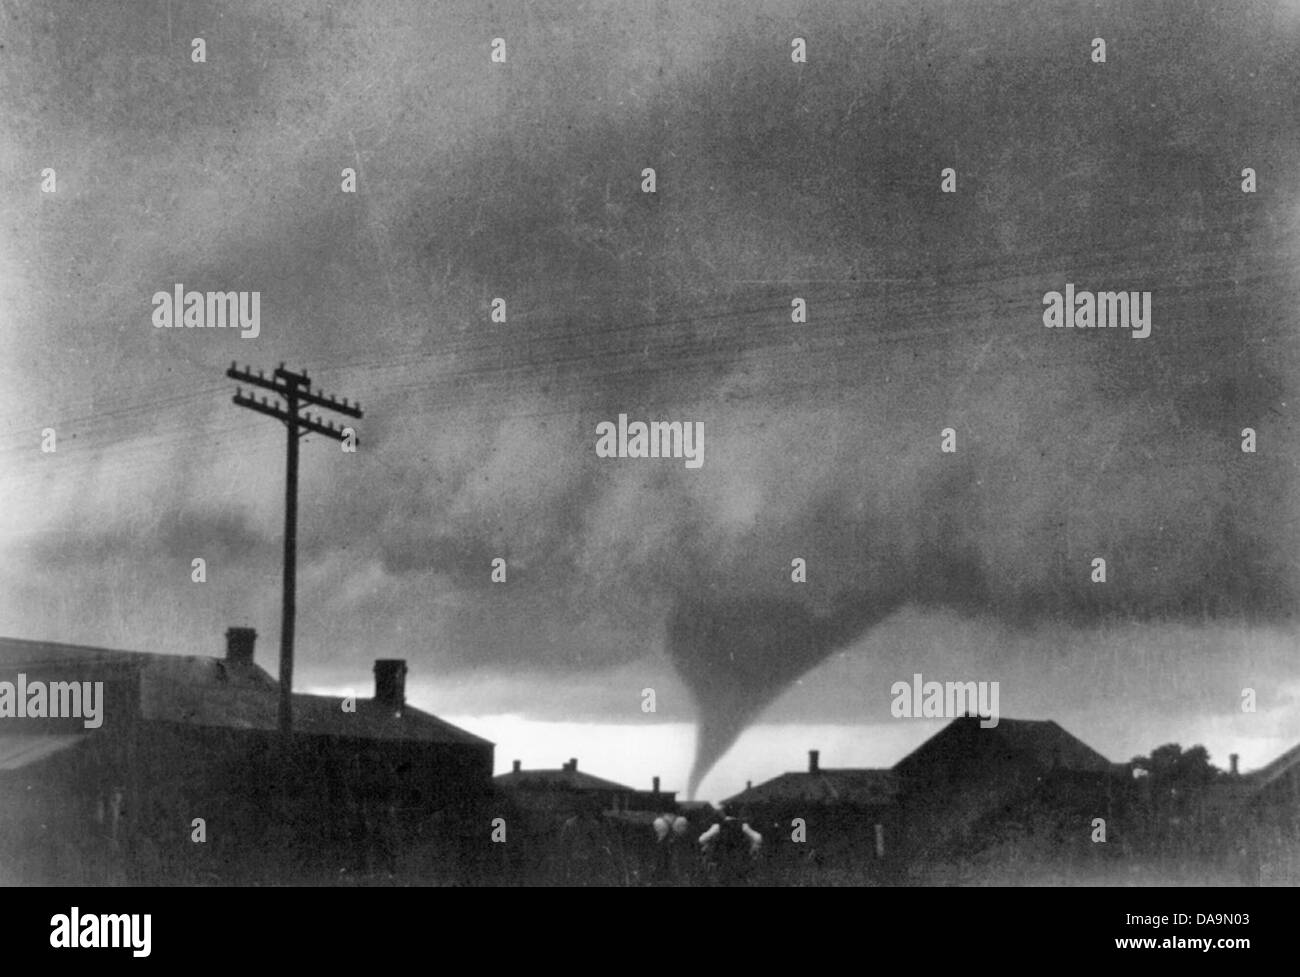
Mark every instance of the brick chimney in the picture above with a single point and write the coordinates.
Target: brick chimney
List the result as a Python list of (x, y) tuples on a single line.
[(1233, 758), (239, 645), (572, 764), (655, 781), (390, 681), (518, 766), (813, 757)]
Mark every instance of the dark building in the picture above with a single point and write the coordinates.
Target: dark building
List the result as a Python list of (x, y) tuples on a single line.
[(653, 801), (965, 789), (576, 828), (1254, 820), (566, 790), (186, 776), (969, 786), (826, 816), (1274, 811)]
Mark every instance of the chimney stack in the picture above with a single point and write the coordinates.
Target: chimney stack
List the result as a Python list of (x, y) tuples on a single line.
[(656, 783), (813, 756), (239, 645), (390, 682), (573, 764), (1233, 758), (517, 766)]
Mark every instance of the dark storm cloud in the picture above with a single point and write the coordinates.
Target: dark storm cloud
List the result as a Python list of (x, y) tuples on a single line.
[(173, 539), (1074, 446), (775, 180)]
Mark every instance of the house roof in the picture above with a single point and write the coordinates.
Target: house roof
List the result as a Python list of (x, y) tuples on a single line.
[(205, 691), (1041, 740), (17, 752), (1271, 772), (562, 779), (861, 787), (654, 796)]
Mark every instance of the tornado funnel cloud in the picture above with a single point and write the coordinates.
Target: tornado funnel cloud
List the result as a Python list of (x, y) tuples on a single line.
[(737, 655)]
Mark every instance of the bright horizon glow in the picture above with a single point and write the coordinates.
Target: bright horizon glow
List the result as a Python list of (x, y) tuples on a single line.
[(632, 754)]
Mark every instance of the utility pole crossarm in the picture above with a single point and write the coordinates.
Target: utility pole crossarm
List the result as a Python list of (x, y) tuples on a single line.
[(329, 430), (295, 389), (317, 398), (257, 380), (262, 407), (299, 384)]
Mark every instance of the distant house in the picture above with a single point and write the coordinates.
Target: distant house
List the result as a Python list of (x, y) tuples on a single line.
[(860, 787), (569, 789), (1256, 817), (573, 826), (188, 777), (1275, 789), (962, 787), (653, 801), (833, 815), (1018, 776)]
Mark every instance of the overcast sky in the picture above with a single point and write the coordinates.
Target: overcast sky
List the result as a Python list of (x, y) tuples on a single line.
[(775, 180)]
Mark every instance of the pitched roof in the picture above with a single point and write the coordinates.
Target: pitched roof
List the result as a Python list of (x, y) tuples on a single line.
[(204, 691), (1041, 740), (25, 652), (563, 779), (861, 787), (17, 752), (1270, 772), (1050, 745)]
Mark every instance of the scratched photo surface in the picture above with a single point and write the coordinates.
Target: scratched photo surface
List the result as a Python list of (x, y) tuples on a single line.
[(966, 347)]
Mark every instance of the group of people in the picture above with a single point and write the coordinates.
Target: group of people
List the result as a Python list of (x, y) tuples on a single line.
[(729, 848), (594, 850)]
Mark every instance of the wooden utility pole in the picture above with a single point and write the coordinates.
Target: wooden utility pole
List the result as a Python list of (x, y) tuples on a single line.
[(296, 390)]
